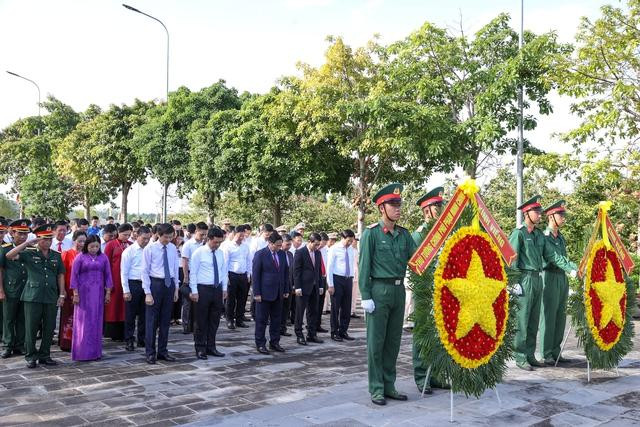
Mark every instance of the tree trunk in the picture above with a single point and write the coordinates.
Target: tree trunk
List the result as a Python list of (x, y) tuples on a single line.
[(638, 235), (87, 208), (362, 200), (125, 201), (277, 214), (210, 202)]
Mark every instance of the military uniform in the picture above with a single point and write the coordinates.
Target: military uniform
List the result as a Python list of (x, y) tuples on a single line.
[(555, 288), (40, 296), (382, 266), (420, 366), (3, 233)]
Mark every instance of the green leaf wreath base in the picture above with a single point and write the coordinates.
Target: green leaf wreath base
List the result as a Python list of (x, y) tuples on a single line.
[(599, 359), (471, 382)]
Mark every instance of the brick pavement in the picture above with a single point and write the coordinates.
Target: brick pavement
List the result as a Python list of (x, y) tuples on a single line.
[(321, 384)]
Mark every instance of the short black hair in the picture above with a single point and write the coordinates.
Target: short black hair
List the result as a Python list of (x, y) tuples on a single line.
[(92, 239), (214, 232), (95, 217), (135, 225), (110, 228), (347, 233), (240, 229), (144, 230), (38, 221), (247, 227), (286, 237), (77, 234), (175, 222), (125, 227), (202, 226), (324, 236), (295, 234), (164, 229), (81, 221), (267, 228), (110, 218), (191, 228), (315, 237), (59, 223), (274, 237), (154, 228)]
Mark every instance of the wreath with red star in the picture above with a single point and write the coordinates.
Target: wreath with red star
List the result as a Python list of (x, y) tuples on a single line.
[(600, 309)]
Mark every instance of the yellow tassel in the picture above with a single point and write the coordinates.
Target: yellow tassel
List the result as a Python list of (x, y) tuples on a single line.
[(604, 208), (470, 188)]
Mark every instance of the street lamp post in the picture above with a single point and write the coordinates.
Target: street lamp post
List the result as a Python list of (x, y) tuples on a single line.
[(165, 186), (520, 154)]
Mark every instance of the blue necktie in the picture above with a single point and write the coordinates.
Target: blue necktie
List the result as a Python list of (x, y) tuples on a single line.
[(216, 279), (165, 264), (347, 271)]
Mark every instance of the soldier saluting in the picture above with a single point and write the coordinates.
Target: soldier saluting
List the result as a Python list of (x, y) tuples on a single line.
[(385, 249)]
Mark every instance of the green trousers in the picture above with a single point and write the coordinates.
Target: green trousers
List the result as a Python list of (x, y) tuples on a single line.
[(36, 314), (528, 316), (554, 312), (13, 324), (420, 368), (384, 333)]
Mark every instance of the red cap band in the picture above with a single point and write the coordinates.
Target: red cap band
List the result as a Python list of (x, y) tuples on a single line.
[(431, 201), (531, 206), (387, 197), (555, 210)]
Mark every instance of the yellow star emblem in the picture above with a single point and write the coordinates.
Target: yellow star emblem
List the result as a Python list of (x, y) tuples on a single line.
[(610, 293), (476, 294)]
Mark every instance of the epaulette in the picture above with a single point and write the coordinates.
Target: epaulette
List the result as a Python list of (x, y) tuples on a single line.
[(6, 245), (546, 232), (374, 225), (522, 226), (419, 230), (31, 248), (401, 227)]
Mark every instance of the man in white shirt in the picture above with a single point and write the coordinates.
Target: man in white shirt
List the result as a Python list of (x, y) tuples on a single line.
[(238, 259), (160, 273), (340, 269), (197, 239), (61, 241), (208, 290), (131, 279)]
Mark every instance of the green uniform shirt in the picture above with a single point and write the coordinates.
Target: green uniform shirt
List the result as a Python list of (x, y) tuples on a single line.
[(42, 275), (529, 247), (555, 253), (384, 254), (14, 275), (419, 235)]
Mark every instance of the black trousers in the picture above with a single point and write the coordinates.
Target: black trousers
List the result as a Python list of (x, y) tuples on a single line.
[(207, 314), (321, 303), (268, 311), (158, 317), (308, 304), (341, 304), (286, 306), (237, 296), (134, 309), (187, 309)]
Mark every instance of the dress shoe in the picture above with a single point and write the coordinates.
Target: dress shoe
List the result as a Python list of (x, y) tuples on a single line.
[(326, 312), (201, 355), (347, 337), (31, 364), (141, 344), (301, 341), (285, 334), (550, 362), (241, 325), (48, 361), (524, 366), (315, 340), (129, 346), (230, 325), (246, 319), (263, 350), (321, 330), (560, 359), (378, 400), (166, 357), (336, 337), (354, 316), (276, 347), (215, 353), (535, 363), (6, 354), (396, 396), (18, 352), (427, 389), (151, 360)]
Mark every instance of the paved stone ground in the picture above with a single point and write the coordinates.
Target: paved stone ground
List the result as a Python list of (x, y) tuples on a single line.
[(321, 384)]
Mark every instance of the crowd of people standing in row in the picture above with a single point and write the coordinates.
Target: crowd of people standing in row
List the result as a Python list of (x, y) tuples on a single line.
[(130, 282)]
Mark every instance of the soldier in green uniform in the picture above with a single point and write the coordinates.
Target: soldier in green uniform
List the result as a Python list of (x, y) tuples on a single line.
[(528, 242), (3, 232), (385, 249), (555, 284), (12, 280), (43, 293), (430, 203)]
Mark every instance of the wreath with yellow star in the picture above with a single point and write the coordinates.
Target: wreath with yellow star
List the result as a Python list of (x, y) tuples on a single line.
[(463, 318), (600, 309)]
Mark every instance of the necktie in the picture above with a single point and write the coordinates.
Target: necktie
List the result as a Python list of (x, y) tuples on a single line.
[(60, 247), (313, 258), (275, 261), (165, 264), (216, 279), (347, 269)]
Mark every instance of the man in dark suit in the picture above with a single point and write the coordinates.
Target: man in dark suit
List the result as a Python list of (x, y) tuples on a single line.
[(307, 279), (286, 303), (270, 286)]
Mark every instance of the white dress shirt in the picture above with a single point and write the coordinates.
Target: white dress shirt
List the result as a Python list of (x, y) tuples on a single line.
[(152, 264), (336, 261), (257, 244), (237, 257), (130, 265), (190, 246), (201, 267), (67, 244)]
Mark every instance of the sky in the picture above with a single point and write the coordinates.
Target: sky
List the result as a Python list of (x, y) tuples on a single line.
[(97, 52)]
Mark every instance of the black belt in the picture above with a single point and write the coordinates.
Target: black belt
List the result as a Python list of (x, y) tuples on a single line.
[(388, 280), (210, 285), (135, 281), (343, 277), (238, 274)]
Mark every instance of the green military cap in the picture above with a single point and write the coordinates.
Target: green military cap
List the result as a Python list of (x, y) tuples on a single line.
[(531, 204), (557, 207), (20, 225), (388, 193), (45, 231), (433, 197)]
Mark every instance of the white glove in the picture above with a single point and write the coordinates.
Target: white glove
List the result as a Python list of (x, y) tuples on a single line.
[(321, 291), (573, 274), (517, 289), (368, 305)]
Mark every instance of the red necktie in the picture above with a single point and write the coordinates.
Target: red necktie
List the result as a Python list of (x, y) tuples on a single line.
[(275, 261), (59, 246)]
